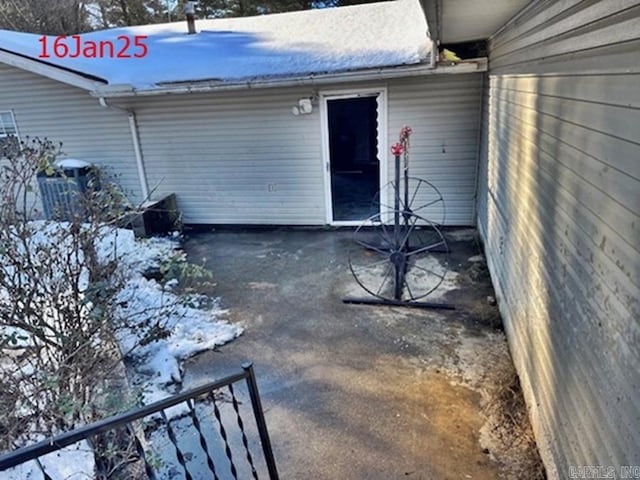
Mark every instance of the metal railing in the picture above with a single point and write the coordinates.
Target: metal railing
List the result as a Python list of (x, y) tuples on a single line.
[(217, 469)]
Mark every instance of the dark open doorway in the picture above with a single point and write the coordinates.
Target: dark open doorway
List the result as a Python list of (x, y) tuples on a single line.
[(353, 157)]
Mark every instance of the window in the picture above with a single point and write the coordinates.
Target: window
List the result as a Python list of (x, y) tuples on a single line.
[(7, 125)]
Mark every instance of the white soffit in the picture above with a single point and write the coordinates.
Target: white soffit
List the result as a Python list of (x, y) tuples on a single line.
[(466, 20)]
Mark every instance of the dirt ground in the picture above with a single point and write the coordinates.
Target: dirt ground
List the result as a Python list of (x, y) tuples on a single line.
[(367, 392)]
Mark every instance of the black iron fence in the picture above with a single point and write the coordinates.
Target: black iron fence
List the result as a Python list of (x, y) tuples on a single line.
[(210, 439)]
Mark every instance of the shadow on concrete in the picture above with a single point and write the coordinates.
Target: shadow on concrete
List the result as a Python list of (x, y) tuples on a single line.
[(355, 392)]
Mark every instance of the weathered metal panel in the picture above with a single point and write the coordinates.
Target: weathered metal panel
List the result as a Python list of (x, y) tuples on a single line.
[(621, 59), (559, 213), (579, 33), (568, 28), (61, 113), (536, 16)]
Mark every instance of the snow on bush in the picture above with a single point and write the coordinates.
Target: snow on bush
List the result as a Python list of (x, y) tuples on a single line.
[(73, 299), (191, 329)]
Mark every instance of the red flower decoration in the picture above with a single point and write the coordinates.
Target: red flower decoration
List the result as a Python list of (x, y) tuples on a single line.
[(397, 149), (405, 132)]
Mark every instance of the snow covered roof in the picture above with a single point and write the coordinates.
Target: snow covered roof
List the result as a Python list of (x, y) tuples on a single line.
[(331, 40)]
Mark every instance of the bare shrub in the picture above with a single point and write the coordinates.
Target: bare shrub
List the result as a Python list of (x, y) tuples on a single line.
[(58, 287)]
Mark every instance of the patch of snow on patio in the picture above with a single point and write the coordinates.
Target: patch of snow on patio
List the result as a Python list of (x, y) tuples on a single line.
[(425, 281), (461, 235), (420, 280)]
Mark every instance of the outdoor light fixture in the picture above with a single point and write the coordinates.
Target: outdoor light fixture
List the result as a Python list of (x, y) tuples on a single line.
[(304, 107)]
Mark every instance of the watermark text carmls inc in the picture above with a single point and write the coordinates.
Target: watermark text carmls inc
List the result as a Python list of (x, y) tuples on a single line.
[(604, 471)]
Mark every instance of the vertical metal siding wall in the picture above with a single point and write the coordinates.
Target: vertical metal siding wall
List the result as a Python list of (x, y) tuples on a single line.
[(243, 158), (559, 212), (61, 113)]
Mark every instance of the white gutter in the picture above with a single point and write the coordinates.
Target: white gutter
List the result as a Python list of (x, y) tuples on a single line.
[(100, 89), (135, 138), (469, 66)]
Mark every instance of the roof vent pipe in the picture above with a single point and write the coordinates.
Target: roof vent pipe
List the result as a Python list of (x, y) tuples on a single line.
[(190, 11)]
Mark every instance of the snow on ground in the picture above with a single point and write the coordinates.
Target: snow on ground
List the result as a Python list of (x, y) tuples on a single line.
[(296, 43), (156, 366), (69, 463)]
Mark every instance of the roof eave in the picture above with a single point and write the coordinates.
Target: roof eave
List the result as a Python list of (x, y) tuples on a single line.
[(376, 74), (54, 72)]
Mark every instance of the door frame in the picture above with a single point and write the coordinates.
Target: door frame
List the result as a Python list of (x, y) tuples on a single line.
[(327, 95)]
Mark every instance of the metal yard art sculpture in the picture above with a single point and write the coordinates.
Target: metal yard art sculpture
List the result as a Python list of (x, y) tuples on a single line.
[(393, 251)]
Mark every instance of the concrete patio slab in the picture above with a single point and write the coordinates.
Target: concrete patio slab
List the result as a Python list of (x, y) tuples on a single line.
[(358, 392)]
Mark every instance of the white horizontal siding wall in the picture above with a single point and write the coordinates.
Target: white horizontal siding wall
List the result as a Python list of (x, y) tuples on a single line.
[(235, 158), (61, 113), (444, 113), (559, 212), (243, 158)]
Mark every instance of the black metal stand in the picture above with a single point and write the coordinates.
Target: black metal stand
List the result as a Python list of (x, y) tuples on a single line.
[(397, 303), (400, 250)]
